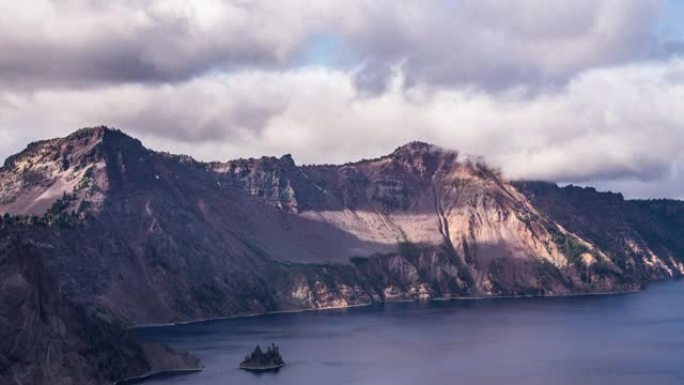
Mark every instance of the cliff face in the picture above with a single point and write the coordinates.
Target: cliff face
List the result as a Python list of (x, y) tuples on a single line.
[(441, 226), (147, 237), (643, 237), (34, 180)]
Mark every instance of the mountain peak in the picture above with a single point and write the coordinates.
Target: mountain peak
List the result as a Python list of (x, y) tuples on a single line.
[(75, 165), (417, 147), (91, 131), (102, 133), (80, 142), (423, 154), (288, 160)]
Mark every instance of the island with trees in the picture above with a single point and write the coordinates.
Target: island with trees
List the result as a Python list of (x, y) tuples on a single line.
[(260, 361)]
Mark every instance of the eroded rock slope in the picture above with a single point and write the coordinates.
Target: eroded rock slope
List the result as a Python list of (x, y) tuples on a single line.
[(148, 237)]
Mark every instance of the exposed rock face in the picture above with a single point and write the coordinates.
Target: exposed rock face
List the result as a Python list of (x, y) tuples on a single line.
[(644, 237), (149, 237), (35, 179), (269, 178), (464, 230)]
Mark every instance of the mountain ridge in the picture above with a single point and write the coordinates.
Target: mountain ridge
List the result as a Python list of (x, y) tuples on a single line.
[(152, 237)]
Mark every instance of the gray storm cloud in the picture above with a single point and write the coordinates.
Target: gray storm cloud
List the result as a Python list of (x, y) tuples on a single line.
[(499, 44), (82, 43), (572, 91), (493, 44)]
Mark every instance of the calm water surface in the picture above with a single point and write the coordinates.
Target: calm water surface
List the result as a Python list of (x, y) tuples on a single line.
[(622, 339)]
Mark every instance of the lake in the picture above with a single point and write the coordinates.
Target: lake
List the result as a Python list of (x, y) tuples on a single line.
[(615, 339)]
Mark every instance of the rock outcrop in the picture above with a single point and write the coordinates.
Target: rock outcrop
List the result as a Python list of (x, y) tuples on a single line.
[(643, 237)]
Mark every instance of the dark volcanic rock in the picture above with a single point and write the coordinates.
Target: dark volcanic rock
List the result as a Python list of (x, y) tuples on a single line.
[(46, 338)]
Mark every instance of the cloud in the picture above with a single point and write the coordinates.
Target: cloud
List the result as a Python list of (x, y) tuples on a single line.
[(373, 78), (500, 44), (608, 124), (78, 43), (570, 90), (489, 44)]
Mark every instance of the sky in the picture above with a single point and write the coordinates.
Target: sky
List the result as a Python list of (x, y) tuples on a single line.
[(589, 92)]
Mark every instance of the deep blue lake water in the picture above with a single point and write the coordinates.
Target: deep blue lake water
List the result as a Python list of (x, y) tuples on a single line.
[(621, 339)]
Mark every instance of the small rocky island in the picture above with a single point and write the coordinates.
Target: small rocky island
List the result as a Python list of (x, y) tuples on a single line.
[(259, 361)]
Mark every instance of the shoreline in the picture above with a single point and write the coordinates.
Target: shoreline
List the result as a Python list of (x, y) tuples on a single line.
[(157, 373), (172, 372), (549, 296), (249, 315), (257, 369), (435, 299)]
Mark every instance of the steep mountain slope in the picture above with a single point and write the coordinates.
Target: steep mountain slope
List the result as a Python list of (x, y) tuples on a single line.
[(35, 179), (154, 237), (644, 237), (423, 196), (148, 237), (47, 339)]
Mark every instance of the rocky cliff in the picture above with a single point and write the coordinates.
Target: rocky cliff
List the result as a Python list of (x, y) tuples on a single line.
[(643, 237), (148, 237)]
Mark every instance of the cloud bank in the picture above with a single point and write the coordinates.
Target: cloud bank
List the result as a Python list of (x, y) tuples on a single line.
[(571, 91)]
